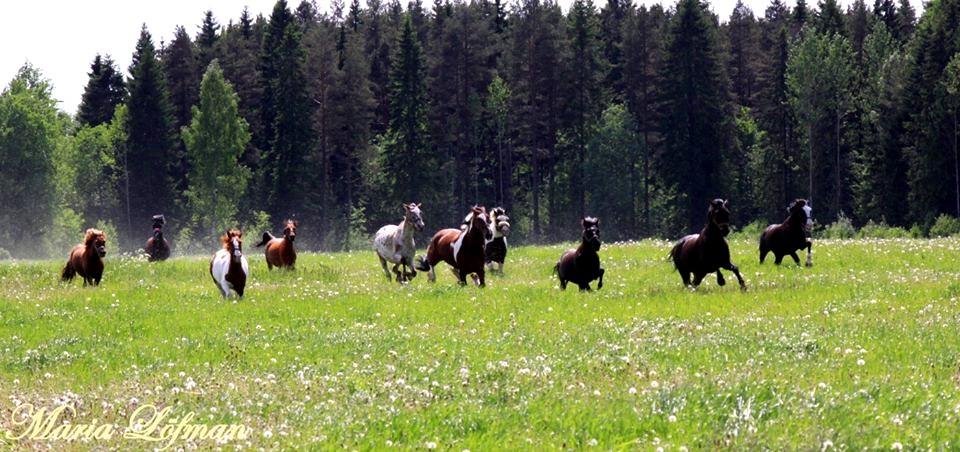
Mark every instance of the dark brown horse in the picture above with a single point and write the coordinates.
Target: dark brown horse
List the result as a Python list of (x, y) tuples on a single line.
[(786, 238), (157, 248), (280, 252), (707, 252), (461, 249), (582, 265), (86, 259)]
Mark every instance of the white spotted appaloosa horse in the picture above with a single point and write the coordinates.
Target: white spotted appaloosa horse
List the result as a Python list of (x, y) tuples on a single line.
[(394, 243)]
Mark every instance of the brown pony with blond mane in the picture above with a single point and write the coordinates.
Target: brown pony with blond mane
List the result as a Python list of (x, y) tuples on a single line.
[(280, 252), (86, 259)]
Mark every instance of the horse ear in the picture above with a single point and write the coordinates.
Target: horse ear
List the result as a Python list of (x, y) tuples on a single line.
[(419, 204), (726, 203)]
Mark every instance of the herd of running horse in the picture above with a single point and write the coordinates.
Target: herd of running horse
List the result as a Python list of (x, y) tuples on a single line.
[(477, 245)]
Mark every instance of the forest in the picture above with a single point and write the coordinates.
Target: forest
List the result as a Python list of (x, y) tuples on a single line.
[(634, 114)]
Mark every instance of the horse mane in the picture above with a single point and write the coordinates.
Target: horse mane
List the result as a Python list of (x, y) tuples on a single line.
[(91, 236), (226, 237)]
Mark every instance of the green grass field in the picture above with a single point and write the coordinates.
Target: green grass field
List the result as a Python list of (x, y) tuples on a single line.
[(860, 351)]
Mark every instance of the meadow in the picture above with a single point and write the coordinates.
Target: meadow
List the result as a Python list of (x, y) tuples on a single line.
[(859, 351)]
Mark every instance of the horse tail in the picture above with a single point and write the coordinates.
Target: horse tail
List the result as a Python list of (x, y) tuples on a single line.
[(421, 264), (68, 272), (556, 268), (675, 253), (266, 238)]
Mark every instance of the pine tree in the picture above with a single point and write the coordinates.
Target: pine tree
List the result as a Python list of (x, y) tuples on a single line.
[(150, 151), (613, 17), (355, 18), (584, 89), (744, 35), (270, 62), (906, 22), (215, 141), (408, 162), (207, 40), (886, 12), (695, 112), (182, 71), (830, 18), (376, 33), (104, 91), (608, 179), (240, 48)]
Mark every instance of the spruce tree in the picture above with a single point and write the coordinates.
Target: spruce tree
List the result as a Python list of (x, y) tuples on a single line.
[(695, 113), (585, 75), (613, 17), (743, 33), (830, 18), (182, 71), (207, 40), (150, 150), (104, 91)]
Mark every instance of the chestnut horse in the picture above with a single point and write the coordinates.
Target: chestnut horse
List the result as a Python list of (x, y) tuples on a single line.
[(707, 252), (461, 249), (157, 248), (86, 259), (786, 238), (582, 265), (280, 252), (229, 267)]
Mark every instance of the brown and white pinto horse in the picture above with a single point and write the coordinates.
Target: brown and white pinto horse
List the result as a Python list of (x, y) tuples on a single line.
[(86, 259), (229, 267), (157, 247), (280, 252), (786, 238), (461, 249), (707, 252)]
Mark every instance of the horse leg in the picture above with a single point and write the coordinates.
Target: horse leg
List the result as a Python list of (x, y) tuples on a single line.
[(697, 278), (795, 258), (736, 272), (685, 276), (383, 264), (779, 258), (396, 271), (585, 287), (431, 274), (461, 276), (720, 281), (809, 253), (600, 284), (480, 278), (763, 253)]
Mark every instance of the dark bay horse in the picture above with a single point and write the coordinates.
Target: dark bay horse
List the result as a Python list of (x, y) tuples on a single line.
[(707, 252), (582, 265), (157, 248), (786, 238), (86, 259), (461, 249), (280, 252), (229, 267)]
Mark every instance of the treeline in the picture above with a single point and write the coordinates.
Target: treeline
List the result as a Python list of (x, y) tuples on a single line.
[(634, 114)]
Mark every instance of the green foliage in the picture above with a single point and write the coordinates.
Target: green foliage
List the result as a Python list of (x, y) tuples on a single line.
[(841, 229), (881, 230), (88, 172), (215, 143), (65, 232), (104, 91), (30, 133), (945, 226), (751, 231), (611, 173)]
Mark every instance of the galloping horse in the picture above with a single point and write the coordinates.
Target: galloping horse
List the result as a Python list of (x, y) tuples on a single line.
[(791, 235), (461, 249), (86, 259), (229, 267), (707, 252), (582, 265), (280, 252), (495, 251), (394, 243), (158, 249)]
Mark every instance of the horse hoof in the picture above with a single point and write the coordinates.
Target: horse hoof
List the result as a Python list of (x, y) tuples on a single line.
[(809, 264), (743, 288)]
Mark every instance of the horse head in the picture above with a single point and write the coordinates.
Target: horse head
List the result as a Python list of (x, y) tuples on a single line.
[(478, 219), (97, 239), (412, 215), (719, 215), (290, 231), (801, 214), (501, 222), (233, 242), (591, 232)]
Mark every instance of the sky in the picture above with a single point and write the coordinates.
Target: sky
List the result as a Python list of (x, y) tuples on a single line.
[(62, 37)]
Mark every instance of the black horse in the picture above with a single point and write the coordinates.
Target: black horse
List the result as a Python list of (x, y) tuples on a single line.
[(707, 252), (157, 247), (786, 238), (582, 265)]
